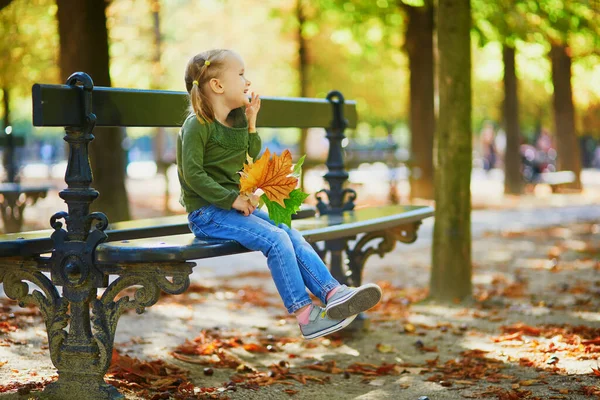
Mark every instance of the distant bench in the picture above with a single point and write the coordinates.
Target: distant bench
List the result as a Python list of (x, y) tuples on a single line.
[(14, 197), (555, 179), (157, 254)]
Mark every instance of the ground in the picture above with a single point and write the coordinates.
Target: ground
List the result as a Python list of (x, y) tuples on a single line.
[(532, 329)]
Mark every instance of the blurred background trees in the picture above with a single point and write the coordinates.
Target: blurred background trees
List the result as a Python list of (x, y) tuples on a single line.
[(380, 53)]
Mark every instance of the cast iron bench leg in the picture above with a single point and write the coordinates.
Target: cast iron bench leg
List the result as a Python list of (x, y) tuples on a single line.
[(83, 354), (357, 254)]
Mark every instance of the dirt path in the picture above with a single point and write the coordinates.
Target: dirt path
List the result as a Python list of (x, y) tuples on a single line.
[(533, 331)]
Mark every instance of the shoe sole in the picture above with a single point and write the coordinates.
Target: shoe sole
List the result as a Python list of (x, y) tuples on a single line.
[(358, 301), (343, 323)]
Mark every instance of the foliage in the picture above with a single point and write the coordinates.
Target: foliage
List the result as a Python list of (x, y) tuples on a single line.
[(28, 49), (531, 26), (276, 178), (353, 46)]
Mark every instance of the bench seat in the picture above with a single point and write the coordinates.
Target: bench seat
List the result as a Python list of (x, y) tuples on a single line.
[(25, 244), (328, 227)]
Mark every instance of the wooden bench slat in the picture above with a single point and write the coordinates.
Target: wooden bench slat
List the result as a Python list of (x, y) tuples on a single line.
[(187, 247), (61, 105)]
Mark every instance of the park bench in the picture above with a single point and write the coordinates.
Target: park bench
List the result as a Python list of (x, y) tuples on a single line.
[(14, 197), (555, 179), (158, 254)]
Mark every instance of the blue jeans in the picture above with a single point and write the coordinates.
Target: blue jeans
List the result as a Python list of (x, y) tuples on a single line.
[(293, 263)]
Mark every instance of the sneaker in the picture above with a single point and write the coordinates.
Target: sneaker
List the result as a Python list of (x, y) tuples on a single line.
[(349, 301), (320, 325)]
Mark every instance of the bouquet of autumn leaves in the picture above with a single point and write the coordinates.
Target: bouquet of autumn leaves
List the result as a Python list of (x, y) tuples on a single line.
[(277, 178)]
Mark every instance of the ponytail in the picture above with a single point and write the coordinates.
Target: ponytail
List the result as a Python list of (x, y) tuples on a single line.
[(200, 105)]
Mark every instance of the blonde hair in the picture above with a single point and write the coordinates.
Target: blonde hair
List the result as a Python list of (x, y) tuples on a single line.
[(200, 70)]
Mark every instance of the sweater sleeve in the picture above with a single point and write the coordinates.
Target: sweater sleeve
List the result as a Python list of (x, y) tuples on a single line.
[(193, 145), (255, 144)]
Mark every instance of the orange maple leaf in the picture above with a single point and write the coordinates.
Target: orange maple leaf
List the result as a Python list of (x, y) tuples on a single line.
[(271, 175)]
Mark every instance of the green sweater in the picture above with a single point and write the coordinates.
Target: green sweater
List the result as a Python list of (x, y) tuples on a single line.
[(209, 157)]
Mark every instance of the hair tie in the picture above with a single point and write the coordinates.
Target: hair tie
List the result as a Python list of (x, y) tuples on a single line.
[(207, 63), (195, 83)]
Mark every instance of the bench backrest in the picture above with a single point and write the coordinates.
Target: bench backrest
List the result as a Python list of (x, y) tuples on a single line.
[(62, 105)]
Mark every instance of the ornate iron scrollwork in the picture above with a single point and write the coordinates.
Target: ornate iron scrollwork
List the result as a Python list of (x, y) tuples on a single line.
[(347, 197), (51, 305), (106, 311), (358, 255), (73, 260), (406, 233)]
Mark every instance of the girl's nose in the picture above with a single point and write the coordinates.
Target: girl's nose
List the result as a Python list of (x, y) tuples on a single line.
[(248, 83)]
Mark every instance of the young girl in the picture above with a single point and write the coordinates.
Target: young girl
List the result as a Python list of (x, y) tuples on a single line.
[(211, 150)]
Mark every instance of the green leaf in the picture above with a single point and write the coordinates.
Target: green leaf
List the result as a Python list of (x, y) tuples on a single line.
[(298, 167), (281, 215)]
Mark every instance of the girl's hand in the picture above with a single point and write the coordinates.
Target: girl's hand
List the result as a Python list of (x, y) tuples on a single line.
[(252, 109), (243, 205)]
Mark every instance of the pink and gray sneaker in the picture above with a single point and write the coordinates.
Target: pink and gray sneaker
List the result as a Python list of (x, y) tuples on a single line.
[(349, 301), (319, 324)]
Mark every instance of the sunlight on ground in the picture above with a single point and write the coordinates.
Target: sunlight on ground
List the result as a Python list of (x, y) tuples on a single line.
[(530, 349)]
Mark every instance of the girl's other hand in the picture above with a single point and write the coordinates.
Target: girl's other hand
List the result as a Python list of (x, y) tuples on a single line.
[(252, 109), (243, 205)]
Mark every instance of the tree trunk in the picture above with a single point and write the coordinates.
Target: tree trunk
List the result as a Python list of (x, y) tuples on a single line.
[(163, 162), (302, 78), (419, 46), (513, 182), (6, 107), (451, 250), (84, 47), (8, 154), (4, 3), (567, 146)]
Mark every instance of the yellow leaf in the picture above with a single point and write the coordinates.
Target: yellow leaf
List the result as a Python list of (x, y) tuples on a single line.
[(253, 173), (271, 175), (384, 348), (529, 382)]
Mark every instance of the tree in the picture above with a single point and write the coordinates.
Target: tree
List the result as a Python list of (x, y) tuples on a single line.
[(513, 181), (502, 21), (84, 47), (303, 65), (451, 250), (559, 22), (414, 20), (569, 157), (161, 158), (419, 47), (25, 57)]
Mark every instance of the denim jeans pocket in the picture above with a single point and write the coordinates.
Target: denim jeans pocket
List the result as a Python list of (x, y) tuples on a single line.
[(197, 219)]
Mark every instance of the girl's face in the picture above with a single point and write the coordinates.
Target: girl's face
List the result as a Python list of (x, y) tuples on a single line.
[(234, 83)]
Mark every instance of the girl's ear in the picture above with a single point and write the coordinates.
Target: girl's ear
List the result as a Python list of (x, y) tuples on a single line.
[(216, 86)]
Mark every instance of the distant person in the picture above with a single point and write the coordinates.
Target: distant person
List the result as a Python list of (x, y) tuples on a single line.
[(47, 155), (211, 149), (488, 147), (544, 141), (596, 160)]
